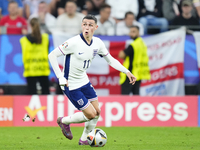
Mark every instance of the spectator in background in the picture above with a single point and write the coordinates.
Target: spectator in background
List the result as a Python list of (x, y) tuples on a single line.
[(136, 61), (46, 20), (81, 7), (90, 7), (93, 6), (4, 7), (53, 7), (150, 14), (35, 49), (172, 9), (197, 6), (120, 7), (13, 23), (70, 21), (106, 24), (31, 6), (186, 18), (123, 27)]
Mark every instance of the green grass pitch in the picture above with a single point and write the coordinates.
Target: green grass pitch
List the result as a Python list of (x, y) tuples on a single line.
[(119, 138)]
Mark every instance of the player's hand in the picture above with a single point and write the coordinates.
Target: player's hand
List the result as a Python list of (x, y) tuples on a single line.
[(131, 77), (63, 82)]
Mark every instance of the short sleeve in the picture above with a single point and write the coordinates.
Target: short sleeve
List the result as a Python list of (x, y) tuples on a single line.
[(66, 47), (103, 50)]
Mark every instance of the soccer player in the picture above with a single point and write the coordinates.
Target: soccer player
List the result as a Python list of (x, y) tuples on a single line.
[(79, 51)]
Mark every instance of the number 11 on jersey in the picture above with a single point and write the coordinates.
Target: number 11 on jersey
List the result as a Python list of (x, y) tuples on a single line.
[(86, 63)]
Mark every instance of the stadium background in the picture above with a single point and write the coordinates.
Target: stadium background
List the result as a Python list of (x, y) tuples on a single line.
[(116, 110), (11, 66)]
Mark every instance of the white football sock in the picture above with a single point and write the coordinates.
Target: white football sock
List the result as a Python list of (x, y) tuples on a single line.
[(78, 117), (88, 127)]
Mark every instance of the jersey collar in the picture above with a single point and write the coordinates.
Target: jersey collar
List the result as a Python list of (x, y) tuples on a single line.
[(81, 35)]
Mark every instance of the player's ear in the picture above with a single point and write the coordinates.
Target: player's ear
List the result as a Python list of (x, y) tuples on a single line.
[(96, 27)]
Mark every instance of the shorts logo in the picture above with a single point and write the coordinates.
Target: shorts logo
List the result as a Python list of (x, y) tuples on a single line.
[(80, 102), (65, 45)]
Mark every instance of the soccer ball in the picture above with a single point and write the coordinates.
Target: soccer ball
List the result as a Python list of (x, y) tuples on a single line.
[(97, 138)]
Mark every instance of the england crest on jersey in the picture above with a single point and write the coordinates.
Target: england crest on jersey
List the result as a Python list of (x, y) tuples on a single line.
[(95, 52)]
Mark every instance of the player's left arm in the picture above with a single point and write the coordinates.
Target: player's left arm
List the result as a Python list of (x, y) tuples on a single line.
[(118, 66), (114, 62)]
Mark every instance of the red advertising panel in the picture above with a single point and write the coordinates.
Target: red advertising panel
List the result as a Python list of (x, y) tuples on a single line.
[(148, 111), (41, 110), (115, 110), (6, 110)]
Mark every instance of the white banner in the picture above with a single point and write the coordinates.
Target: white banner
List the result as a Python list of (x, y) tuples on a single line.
[(197, 42), (166, 56)]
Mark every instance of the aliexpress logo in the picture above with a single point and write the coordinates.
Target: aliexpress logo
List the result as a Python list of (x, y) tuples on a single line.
[(43, 108), (33, 113)]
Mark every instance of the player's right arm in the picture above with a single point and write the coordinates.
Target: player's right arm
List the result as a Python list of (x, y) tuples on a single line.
[(64, 49), (54, 63)]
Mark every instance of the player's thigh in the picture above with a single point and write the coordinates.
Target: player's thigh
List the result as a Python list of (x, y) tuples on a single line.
[(90, 112), (91, 95)]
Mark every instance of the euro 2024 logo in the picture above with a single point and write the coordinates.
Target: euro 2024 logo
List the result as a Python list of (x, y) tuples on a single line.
[(65, 44)]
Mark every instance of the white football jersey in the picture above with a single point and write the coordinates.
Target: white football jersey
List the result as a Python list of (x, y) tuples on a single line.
[(79, 55)]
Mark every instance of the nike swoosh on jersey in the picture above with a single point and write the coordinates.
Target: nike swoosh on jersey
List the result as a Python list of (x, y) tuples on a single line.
[(80, 53)]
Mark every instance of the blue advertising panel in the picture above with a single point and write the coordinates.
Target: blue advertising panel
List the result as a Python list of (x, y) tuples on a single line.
[(11, 65)]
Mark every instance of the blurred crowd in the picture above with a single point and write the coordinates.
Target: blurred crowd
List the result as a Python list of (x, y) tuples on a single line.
[(114, 16)]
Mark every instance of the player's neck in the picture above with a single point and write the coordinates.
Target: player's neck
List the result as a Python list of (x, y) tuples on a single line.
[(88, 39)]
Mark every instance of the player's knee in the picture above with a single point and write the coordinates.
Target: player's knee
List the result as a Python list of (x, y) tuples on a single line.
[(94, 115), (91, 116)]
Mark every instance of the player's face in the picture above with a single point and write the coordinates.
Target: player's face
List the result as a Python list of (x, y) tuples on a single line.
[(88, 27)]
